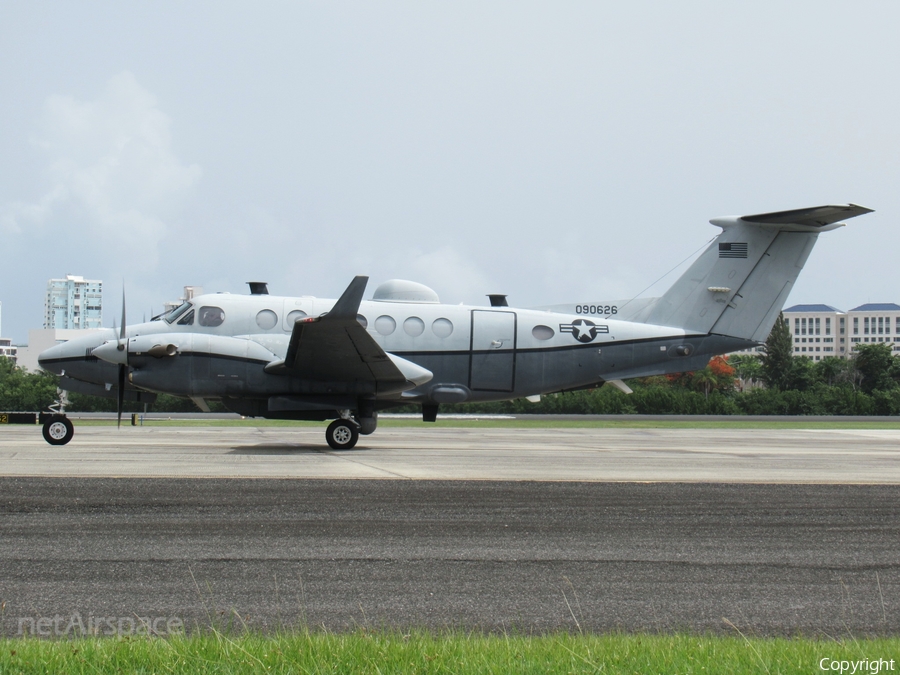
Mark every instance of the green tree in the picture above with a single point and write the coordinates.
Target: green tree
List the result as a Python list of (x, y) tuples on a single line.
[(800, 374), (877, 367), (778, 355), (747, 368), (21, 390), (832, 370), (705, 379)]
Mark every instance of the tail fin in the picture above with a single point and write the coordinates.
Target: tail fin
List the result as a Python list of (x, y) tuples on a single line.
[(739, 284)]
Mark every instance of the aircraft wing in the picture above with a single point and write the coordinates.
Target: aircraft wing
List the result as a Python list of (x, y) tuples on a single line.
[(336, 348)]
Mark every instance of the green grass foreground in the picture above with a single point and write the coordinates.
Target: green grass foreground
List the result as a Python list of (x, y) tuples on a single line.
[(422, 652)]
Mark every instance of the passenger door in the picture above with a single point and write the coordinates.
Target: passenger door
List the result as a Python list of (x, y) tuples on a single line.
[(492, 365)]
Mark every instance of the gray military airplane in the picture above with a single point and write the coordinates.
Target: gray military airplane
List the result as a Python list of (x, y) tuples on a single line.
[(347, 359)]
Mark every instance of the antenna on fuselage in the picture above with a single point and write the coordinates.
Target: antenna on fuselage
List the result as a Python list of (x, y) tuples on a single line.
[(498, 300)]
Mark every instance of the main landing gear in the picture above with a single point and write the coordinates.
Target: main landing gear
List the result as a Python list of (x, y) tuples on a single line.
[(342, 434)]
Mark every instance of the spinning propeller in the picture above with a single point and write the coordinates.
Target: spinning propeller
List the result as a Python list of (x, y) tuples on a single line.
[(116, 352)]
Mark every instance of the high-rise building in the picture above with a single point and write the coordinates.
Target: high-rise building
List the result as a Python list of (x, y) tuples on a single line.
[(73, 303)]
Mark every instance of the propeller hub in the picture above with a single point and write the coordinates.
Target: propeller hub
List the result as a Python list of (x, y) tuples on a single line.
[(112, 351)]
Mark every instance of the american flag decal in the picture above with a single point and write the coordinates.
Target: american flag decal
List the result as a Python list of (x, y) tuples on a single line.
[(733, 250)]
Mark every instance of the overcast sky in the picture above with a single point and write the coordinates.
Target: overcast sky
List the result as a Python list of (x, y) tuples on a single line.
[(552, 151)]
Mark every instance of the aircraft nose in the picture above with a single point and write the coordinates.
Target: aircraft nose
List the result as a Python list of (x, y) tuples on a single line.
[(51, 359), (112, 351)]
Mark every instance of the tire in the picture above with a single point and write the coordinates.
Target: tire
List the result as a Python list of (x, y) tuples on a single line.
[(58, 431), (342, 434)]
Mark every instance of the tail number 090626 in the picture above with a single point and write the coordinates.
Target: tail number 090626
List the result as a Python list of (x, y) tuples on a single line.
[(596, 309)]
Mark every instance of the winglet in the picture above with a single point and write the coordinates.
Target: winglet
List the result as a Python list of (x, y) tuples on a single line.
[(347, 306)]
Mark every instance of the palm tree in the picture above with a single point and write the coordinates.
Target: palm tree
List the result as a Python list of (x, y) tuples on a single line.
[(705, 378)]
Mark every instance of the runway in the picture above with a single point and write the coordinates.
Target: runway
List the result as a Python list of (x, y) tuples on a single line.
[(480, 555), (429, 453), (494, 529)]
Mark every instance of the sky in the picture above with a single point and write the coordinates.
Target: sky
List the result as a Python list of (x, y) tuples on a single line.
[(555, 152)]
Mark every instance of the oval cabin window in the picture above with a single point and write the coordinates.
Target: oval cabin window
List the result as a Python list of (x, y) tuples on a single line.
[(363, 321), (385, 325), (293, 317), (267, 319), (442, 328), (542, 332), (414, 326)]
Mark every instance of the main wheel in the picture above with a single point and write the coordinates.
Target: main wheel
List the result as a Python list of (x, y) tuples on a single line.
[(58, 431), (342, 434)]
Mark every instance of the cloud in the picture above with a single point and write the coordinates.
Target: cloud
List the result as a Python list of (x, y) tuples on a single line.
[(111, 166)]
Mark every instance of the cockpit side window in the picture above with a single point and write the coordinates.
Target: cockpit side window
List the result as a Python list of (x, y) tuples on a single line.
[(211, 316), (172, 316), (187, 319)]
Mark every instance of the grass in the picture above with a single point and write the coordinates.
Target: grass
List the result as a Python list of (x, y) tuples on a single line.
[(425, 652), (480, 423)]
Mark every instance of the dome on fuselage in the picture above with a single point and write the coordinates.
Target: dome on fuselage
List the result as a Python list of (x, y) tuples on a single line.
[(401, 290)]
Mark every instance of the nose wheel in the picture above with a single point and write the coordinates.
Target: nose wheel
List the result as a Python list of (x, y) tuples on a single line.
[(58, 431), (342, 434)]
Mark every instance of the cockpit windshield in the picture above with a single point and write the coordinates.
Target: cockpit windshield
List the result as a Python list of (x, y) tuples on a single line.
[(172, 316)]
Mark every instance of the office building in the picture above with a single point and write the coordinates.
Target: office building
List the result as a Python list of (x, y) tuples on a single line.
[(822, 330)]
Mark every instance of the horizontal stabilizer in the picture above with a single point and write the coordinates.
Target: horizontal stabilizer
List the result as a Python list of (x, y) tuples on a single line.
[(816, 216), (812, 219)]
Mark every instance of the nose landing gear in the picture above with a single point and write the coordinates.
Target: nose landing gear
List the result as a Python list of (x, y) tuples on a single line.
[(58, 430)]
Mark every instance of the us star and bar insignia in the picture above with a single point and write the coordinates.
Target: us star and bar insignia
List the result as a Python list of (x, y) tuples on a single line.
[(583, 330)]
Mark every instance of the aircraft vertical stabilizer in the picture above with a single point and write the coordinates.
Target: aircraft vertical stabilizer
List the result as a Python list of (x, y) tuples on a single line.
[(739, 284)]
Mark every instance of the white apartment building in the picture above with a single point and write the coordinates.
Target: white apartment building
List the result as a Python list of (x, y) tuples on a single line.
[(73, 303), (7, 349), (6, 346)]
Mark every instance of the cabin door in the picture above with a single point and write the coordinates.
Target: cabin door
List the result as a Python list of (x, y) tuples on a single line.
[(492, 366)]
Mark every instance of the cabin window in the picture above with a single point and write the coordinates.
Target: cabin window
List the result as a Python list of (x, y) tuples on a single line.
[(385, 325), (294, 316), (266, 319), (442, 328), (187, 319), (175, 313), (211, 316), (414, 326), (363, 321), (542, 332)]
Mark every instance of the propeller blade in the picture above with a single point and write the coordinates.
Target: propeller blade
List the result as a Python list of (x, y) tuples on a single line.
[(122, 329), (120, 398)]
